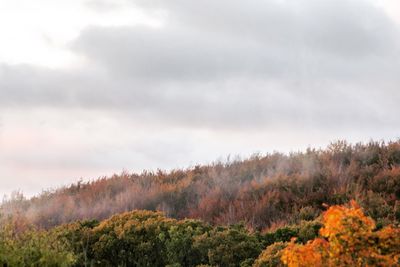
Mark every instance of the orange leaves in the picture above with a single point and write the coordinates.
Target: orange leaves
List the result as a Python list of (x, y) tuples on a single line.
[(347, 238), (311, 254), (346, 224)]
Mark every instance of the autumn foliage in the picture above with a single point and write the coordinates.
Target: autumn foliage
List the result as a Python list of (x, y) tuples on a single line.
[(348, 238)]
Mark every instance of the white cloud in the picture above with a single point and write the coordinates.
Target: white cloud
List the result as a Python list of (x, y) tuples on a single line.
[(391, 7), (38, 32)]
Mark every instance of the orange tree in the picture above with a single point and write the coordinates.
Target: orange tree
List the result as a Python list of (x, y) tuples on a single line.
[(348, 238)]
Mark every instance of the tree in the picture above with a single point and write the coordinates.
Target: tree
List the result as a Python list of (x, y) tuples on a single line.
[(348, 238)]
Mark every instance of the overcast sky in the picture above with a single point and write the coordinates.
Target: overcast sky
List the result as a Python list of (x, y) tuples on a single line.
[(93, 87)]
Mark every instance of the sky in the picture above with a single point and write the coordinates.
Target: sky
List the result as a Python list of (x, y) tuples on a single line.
[(89, 88)]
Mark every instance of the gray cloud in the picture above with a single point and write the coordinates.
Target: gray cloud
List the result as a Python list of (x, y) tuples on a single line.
[(272, 41), (230, 64)]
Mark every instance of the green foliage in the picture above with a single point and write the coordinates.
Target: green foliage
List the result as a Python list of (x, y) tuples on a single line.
[(307, 230), (131, 239), (79, 236), (231, 246), (271, 256), (284, 234), (33, 248), (303, 231), (145, 238), (179, 244)]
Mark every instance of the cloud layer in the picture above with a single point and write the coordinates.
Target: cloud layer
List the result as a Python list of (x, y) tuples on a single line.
[(205, 71)]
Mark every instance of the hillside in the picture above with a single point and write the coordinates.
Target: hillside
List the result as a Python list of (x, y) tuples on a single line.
[(263, 192)]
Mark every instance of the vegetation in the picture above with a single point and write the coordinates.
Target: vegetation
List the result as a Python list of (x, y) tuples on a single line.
[(348, 238), (139, 238), (272, 210), (30, 247), (262, 191), (147, 238)]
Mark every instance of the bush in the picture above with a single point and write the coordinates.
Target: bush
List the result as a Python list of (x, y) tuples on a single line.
[(271, 256), (33, 248), (348, 238)]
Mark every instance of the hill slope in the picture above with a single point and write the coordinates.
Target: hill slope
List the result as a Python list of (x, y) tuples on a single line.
[(262, 191)]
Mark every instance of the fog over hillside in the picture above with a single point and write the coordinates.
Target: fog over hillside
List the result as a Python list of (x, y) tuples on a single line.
[(261, 192)]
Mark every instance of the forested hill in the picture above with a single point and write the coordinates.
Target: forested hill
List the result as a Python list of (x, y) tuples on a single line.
[(262, 191)]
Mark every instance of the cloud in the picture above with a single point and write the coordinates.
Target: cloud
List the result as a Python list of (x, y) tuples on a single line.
[(103, 5), (291, 63), (336, 39), (258, 65), (213, 78)]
